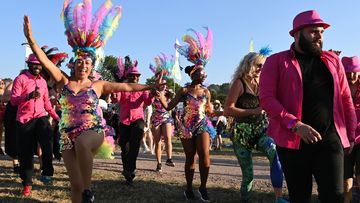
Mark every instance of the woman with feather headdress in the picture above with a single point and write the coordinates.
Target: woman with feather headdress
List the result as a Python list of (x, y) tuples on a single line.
[(161, 120), (250, 123), (81, 126), (196, 128)]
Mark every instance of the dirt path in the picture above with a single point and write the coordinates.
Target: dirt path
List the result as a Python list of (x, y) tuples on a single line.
[(150, 186), (224, 171)]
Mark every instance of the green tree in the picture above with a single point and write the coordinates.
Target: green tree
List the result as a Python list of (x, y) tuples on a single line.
[(108, 68), (219, 92)]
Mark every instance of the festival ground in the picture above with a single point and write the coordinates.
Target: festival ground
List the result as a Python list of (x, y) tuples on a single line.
[(149, 186)]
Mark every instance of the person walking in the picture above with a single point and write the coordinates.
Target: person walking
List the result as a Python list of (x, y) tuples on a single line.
[(312, 119)]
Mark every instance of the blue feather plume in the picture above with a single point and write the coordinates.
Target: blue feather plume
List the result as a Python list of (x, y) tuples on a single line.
[(265, 51)]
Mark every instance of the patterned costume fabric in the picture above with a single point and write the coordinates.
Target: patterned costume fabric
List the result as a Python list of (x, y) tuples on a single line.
[(160, 115), (249, 133), (266, 145), (194, 119), (79, 114), (248, 130)]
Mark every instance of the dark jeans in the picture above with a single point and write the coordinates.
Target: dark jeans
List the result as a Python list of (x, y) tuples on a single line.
[(130, 138), (29, 134), (323, 160)]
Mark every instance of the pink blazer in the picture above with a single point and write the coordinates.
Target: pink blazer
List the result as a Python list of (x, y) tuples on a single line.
[(281, 96)]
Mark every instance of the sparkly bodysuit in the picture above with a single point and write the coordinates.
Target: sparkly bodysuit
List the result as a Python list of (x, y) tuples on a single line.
[(194, 119), (79, 114), (160, 115)]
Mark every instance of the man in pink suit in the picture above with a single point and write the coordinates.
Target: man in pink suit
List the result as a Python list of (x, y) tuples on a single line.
[(305, 93)]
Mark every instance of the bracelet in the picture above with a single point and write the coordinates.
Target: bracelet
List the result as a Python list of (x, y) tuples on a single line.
[(295, 128)]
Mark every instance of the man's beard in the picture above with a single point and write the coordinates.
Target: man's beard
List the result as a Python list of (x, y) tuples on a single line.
[(308, 47)]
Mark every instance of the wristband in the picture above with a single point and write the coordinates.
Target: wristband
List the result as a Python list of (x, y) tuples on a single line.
[(295, 128), (292, 125)]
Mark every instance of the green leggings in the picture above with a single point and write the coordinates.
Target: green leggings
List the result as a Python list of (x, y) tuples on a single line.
[(266, 145)]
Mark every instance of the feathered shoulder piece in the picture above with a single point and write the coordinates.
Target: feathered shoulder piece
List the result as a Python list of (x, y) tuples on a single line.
[(85, 32), (163, 63), (197, 51), (124, 65)]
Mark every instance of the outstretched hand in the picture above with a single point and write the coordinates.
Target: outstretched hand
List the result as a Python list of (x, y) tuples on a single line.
[(27, 28), (159, 79)]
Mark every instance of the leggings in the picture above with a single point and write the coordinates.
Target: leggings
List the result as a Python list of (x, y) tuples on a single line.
[(266, 145)]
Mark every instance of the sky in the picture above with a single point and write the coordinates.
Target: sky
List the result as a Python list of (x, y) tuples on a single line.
[(149, 27)]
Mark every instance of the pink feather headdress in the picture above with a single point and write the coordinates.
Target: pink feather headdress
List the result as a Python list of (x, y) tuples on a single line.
[(86, 33), (124, 65), (163, 63), (198, 51)]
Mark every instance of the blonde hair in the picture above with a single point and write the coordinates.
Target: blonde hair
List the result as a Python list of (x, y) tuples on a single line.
[(247, 66)]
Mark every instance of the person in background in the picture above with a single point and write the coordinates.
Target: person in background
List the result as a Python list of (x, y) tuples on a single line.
[(196, 128), (30, 94), (131, 118), (10, 129), (352, 160), (161, 119), (312, 118), (147, 141), (219, 122), (2, 111)]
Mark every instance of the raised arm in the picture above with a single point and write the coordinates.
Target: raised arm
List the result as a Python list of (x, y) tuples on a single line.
[(173, 102), (45, 62)]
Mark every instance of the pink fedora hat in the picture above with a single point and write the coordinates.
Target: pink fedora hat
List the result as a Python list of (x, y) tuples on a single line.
[(307, 18), (32, 59), (133, 70), (351, 64)]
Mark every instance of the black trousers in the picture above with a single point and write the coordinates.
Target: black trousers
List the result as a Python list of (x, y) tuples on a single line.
[(29, 134), (10, 130), (130, 138), (323, 160)]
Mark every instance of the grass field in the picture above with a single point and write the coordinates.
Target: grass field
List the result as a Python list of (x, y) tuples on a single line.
[(108, 184)]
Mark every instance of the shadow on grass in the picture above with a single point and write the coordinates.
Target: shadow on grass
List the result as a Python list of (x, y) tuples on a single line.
[(152, 191)]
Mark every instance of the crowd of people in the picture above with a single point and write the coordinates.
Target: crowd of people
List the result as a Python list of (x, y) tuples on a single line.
[(300, 107)]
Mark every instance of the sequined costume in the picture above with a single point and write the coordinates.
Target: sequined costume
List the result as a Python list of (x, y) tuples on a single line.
[(194, 119), (79, 114), (160, 115)]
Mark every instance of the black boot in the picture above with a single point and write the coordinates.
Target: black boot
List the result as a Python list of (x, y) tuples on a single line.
[(87, 196)]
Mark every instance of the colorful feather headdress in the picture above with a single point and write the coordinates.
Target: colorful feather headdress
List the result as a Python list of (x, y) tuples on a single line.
[(124, 65), (163, 63), (198, 51), (87, 33)]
